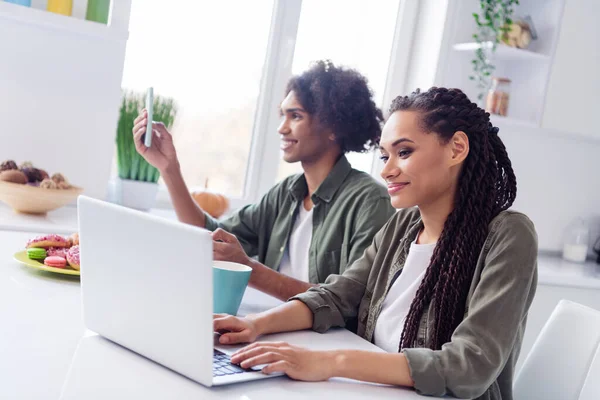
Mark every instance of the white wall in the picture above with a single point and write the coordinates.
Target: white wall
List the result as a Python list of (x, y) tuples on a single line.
[(558, 172), (574, 84), (557, 180)]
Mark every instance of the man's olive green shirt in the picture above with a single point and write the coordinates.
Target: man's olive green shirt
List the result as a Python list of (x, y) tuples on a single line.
[(349, 208)]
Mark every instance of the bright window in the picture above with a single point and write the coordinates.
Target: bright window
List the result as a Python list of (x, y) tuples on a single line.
[(352, 33), (208, 56)]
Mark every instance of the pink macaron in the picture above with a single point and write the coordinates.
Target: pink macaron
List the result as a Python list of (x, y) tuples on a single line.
[(57, 251), (56, 262)]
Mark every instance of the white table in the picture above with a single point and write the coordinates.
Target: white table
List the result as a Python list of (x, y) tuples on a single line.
[(46, 353), (40, 323)]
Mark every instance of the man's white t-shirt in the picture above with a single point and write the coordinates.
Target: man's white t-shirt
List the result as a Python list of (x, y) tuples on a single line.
[(295, 258)]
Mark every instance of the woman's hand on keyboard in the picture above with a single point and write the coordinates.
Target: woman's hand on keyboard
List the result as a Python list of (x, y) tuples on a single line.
[(296, 362)]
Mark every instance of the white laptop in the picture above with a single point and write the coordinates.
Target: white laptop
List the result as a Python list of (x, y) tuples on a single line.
[(147, 285)]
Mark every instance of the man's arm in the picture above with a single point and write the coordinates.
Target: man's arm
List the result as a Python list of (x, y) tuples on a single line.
[(227, 247), (185, 207), (275, 284)]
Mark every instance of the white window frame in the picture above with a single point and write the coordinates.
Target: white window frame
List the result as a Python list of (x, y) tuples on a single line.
[(265, 154), (264, 157), (399, 65)]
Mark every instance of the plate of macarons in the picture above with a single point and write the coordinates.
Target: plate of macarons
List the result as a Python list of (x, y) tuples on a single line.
[(52, 253)]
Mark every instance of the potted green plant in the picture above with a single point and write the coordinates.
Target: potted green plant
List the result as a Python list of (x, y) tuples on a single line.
[(136, 185), (492, 22)]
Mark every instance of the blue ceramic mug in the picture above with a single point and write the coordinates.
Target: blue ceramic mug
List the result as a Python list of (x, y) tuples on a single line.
[(229, 284)]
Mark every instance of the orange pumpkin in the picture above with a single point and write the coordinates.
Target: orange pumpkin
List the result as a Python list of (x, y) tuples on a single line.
[(214, 204)]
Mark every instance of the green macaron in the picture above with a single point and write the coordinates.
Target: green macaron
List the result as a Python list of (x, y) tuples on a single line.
[(36, 253)]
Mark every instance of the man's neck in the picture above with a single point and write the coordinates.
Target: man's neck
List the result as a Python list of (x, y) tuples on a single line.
[(316, 172)]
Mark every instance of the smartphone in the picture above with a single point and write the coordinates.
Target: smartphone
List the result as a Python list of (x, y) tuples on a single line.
[(149, 102)]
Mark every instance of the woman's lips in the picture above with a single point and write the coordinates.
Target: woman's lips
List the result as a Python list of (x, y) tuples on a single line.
[(396, 187)]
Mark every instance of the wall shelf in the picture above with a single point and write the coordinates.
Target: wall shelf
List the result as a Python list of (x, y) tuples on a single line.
[(49, 20), (503, 52), (528, 70), (503, 122)]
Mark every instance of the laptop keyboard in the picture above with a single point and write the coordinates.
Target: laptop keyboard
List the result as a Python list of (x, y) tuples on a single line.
[(222, 365)]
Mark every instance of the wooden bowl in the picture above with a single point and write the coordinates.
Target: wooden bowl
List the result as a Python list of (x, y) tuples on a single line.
[(34, 200)]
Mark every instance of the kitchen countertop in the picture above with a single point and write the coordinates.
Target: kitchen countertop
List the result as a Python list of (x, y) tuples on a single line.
[(552, 270), (62, 220)]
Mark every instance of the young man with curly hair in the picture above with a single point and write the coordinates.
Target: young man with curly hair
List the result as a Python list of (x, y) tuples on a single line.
[(310, 225)]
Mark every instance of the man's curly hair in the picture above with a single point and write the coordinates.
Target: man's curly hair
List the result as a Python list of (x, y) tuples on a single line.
[(341, 100)]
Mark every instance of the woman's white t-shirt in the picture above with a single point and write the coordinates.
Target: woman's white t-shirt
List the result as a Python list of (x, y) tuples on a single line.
[(390, 324)]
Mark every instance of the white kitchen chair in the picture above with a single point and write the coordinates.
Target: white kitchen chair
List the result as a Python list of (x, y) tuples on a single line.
[(591, 387), (564, 361)]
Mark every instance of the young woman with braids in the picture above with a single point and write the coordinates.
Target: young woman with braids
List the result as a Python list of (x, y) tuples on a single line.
[(446, 284)]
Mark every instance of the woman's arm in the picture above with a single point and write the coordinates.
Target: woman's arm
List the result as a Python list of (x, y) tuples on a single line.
[(291, 316), (320, 307), (338, 299), (369, 366), (307, 365)]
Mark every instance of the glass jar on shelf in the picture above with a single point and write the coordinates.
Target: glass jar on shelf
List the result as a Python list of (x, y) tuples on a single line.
[(496, 101)]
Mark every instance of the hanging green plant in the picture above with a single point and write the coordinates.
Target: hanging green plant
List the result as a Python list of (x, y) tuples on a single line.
[(130, 163), (492, 21)]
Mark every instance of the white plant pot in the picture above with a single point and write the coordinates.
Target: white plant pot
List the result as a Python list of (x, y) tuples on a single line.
[(136, 194)]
